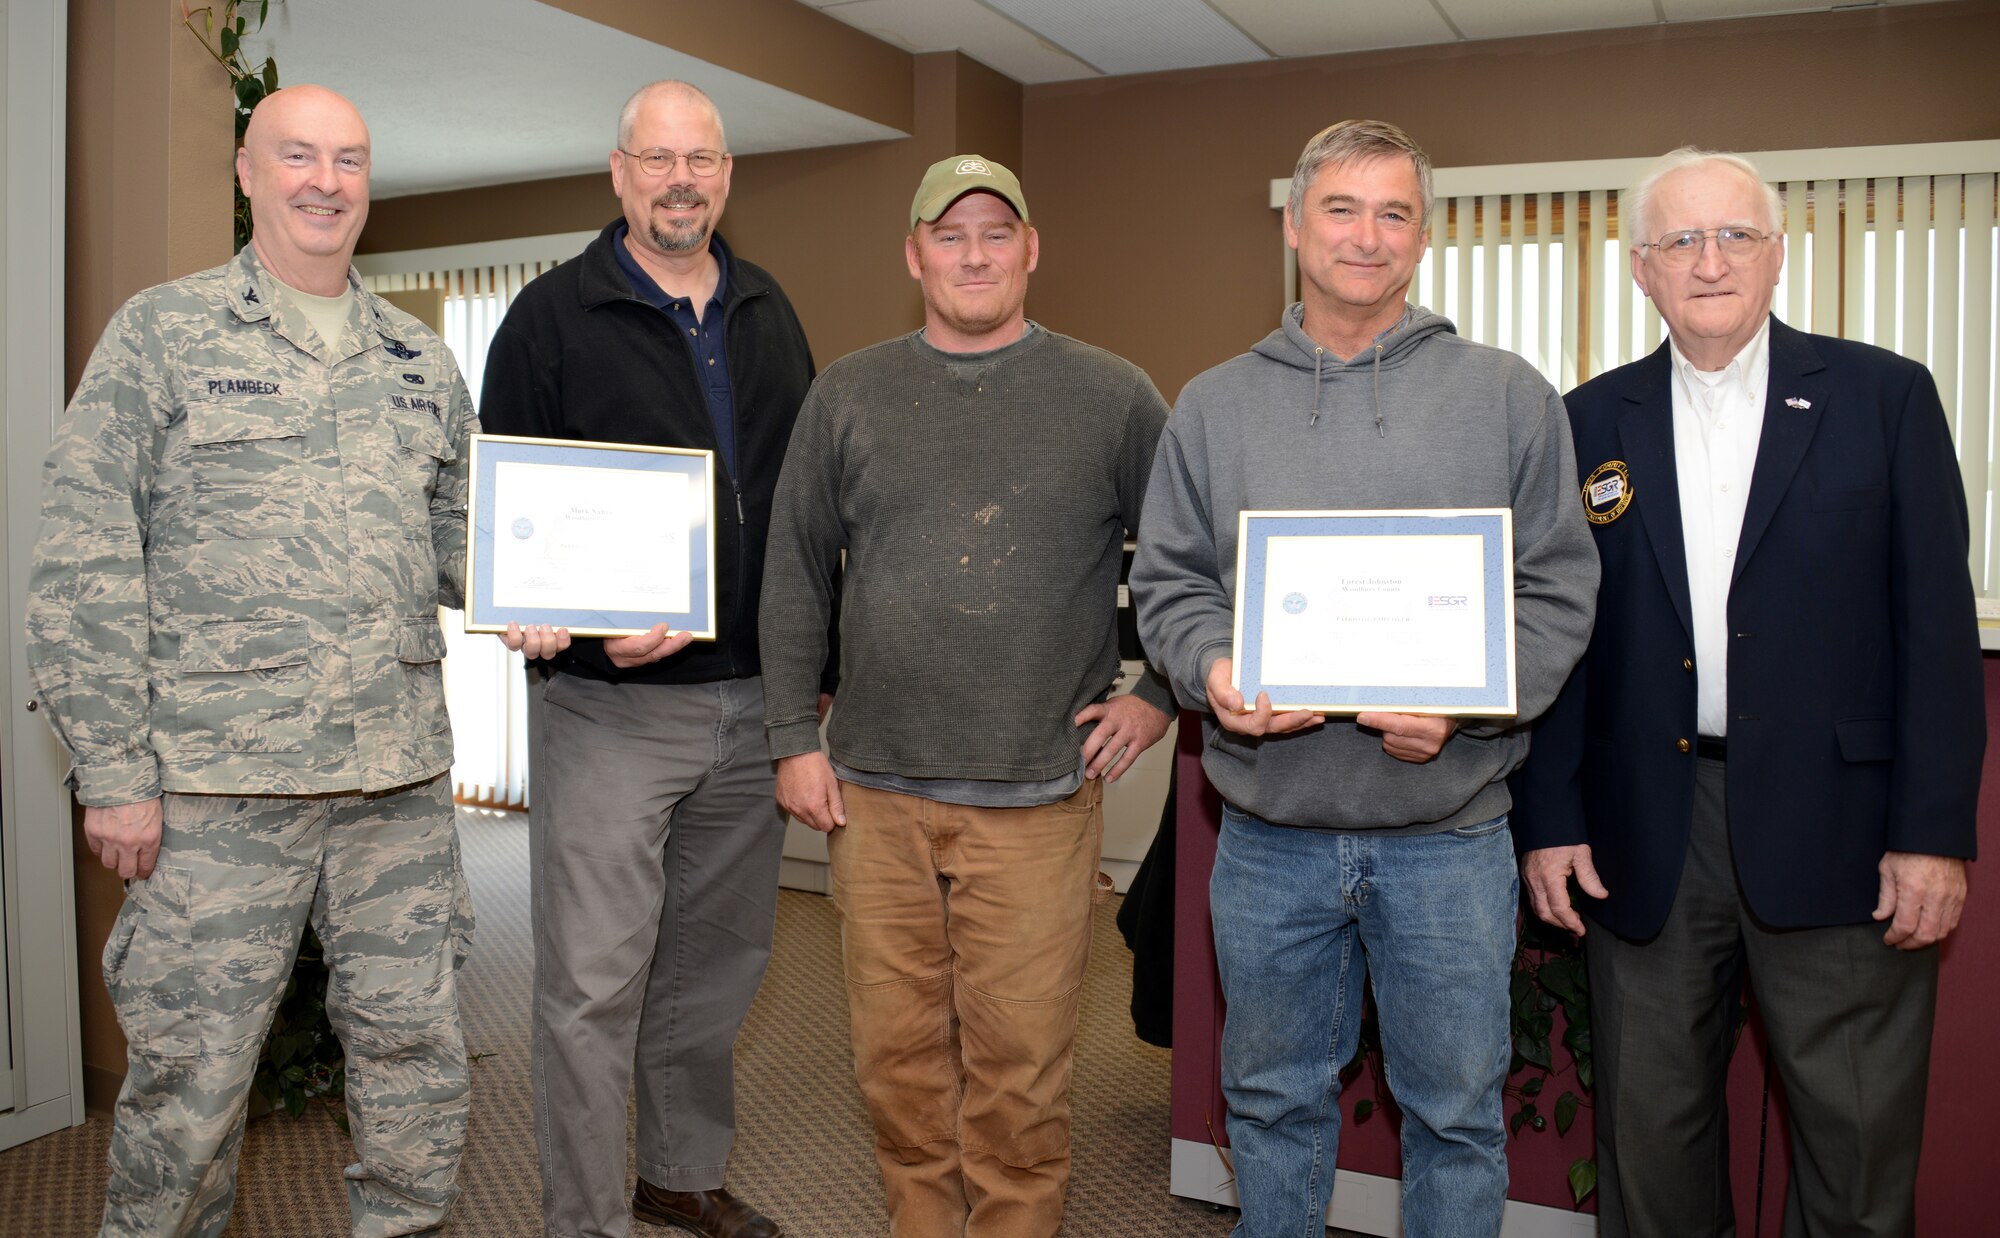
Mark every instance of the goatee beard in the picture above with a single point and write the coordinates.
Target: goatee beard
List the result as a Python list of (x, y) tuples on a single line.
[(679, 236), (686, 240)]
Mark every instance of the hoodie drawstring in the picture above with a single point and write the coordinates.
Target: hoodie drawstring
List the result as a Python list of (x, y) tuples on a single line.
[(1319, 357), (1378, 392), (1319, 362)]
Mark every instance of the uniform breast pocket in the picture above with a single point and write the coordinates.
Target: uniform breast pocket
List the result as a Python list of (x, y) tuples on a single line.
[(243, 687), (248, 463), (421, 450)]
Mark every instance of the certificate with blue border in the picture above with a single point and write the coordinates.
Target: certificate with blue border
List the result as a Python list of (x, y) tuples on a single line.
[(1411, 611), (605, 539)]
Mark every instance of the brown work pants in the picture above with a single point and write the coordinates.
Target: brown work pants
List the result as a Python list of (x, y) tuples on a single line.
[(965, 933)]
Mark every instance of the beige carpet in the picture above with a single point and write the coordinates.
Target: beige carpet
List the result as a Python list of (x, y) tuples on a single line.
[(802, 1151)]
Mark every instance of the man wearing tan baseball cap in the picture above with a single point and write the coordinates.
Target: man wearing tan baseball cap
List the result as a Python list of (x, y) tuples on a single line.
[(948, 180), (980, 474)]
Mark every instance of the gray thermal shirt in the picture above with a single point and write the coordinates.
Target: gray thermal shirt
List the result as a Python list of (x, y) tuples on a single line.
[(982, 500)]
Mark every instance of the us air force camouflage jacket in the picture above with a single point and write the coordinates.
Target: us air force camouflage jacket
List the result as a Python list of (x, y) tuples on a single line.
[(245, 538)]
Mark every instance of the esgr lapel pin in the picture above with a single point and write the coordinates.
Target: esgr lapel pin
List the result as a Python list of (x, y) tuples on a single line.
[(1607, 492)]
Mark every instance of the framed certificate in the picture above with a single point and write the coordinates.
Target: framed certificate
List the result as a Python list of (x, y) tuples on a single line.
[(1409, 612), (605, 539)]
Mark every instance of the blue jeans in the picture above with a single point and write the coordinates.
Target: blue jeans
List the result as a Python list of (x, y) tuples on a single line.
[(1296, 914)]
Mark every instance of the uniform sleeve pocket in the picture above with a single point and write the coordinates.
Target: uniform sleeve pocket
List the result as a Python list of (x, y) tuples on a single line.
[(1866, 739), (421, 640), (424, 436)]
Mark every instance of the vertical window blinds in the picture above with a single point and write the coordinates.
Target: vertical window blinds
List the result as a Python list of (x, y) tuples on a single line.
[(1892, 245)]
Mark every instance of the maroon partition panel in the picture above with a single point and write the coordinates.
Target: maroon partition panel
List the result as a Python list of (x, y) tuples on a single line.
[(1958, 1160)]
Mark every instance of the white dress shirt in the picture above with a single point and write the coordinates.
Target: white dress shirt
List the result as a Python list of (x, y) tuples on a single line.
[(1718, 417)]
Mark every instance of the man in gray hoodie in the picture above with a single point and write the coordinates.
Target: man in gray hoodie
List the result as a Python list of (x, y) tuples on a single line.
[(1376, 842)]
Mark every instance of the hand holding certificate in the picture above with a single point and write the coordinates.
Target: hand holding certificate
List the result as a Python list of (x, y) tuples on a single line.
[(603, 539), (1406, 612)]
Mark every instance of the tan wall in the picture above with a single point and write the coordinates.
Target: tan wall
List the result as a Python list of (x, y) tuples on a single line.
[(148, 199), (829, 224), (788, 44), (150, 142), (1151, 193)]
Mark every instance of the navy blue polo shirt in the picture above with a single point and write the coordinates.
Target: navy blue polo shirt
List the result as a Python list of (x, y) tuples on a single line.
[(704, 337)]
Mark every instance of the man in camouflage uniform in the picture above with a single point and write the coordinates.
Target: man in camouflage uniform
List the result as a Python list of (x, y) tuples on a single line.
[(250, 517)]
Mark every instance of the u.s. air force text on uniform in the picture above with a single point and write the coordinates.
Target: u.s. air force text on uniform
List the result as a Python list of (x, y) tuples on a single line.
[(247, 532)]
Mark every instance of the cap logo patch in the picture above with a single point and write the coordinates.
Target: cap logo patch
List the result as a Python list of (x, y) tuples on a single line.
[(973, 167)]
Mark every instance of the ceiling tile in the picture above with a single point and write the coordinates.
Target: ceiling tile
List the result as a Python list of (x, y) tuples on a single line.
[(1289, 28), (960, 25), (1501, 19), (1135, 36)]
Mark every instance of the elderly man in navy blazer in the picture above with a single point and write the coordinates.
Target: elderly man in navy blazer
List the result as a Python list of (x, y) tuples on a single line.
[(1768, 761)]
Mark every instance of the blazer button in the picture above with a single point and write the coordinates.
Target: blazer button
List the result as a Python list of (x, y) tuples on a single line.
[(1683, 746), (1687, 664)]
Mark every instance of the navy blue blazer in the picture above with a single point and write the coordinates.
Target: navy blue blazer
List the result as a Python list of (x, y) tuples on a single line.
[(1856, 707)]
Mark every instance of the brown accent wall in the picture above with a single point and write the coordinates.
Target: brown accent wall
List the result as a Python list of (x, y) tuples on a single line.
[(1151, 192), (788, 44), (426, 305), (462, 216), (828, 224), (150, 144), (148, 199)]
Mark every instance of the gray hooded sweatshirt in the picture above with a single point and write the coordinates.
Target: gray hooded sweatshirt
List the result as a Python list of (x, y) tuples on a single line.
[(1420, 419)]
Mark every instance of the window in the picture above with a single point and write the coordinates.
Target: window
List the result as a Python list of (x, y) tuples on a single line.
[(485, 686), (1892, 245)]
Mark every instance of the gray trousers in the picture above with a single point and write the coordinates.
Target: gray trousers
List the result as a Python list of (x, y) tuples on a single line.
[(654, 839), (1849, 1026), (198, 961)]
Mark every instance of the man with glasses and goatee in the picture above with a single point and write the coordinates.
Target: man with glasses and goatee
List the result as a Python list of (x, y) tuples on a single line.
[(1768, 761), (655, 839)]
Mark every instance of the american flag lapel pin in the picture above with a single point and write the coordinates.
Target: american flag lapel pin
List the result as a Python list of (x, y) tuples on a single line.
[(1794, 401)]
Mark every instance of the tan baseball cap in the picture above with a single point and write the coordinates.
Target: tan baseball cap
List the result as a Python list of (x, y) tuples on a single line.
[(948, 180)]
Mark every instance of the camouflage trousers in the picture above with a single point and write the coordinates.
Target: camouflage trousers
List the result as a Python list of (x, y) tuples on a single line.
[(199, 958)]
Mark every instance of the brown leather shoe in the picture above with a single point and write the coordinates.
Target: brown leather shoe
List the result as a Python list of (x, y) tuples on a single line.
[(712, 1214)]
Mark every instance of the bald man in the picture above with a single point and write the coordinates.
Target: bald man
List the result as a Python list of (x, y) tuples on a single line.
[(252, 511)]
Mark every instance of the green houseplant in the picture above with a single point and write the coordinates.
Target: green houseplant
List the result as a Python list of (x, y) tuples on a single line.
[(1548, 978)]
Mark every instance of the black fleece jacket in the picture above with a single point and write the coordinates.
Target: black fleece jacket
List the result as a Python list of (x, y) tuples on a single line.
[(580, 356)]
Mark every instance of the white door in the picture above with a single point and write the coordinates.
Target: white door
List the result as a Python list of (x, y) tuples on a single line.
[(41, 1066)]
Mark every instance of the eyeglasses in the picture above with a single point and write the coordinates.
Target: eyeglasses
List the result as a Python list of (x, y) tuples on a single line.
[(1683, 249), (660, 162)]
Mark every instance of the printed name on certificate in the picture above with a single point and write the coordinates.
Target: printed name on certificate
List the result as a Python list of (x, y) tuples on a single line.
[(1374, 611), (563, 531)]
